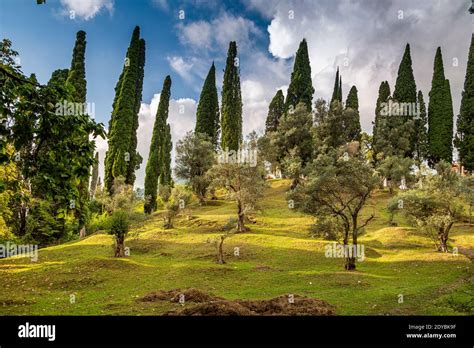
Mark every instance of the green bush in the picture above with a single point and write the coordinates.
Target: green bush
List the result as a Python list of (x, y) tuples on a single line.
[(97, 222), (119, 223), (328, 228), (43, 227)]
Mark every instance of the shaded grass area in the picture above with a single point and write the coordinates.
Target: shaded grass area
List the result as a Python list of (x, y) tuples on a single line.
[(276, 257)]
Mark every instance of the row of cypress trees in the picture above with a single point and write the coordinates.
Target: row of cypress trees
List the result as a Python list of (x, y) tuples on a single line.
[(429, 135), (209, 120), (403, 135), (423, 135), (226, 124), (301, 90)]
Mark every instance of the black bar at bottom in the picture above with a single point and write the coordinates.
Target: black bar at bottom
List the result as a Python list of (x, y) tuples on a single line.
[(290, 331)]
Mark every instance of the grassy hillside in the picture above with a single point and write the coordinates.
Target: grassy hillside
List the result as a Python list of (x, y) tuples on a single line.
[(277, 257)]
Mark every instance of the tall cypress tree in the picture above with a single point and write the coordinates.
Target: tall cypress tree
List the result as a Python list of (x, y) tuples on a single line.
[(121, 157), (158, 147), (335, 92), (405, 86), (421, 132), (165, 177), (351, 116), (231, 121), (135, 158), (465, 122), (440, 115), (275, 111), (94, 176), (207, 115), (352, 100), (301, 86), (404, 92), (339, 92), (380, 120), (77, 72), (77, 80)]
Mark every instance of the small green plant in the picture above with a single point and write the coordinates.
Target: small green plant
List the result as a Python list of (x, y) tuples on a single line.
[(173, 202), (119, 225)]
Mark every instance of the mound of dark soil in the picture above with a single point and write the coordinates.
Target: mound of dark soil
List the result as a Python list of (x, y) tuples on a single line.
[(208, 305), (281, 305), (215, 308), (190, 295)]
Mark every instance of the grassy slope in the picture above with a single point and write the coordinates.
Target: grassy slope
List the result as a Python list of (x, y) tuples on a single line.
[(276, 257)]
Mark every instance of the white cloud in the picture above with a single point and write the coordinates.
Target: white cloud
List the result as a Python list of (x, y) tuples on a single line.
[(255, 100), (181, 67), (370, 37), (181, 118), (196, 34), (86, 9), (217, 33)]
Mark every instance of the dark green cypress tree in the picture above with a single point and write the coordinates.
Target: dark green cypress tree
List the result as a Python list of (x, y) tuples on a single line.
[(421, 132), (94, 176), (59, 77), (440, 115), (121, 157), (405, 86), (380, 120), (301, 86), (155, 165), (77, 72), (335, 92), (77, 80), (351, 116), (231, 121), (465, 123), (405, 92), (165, 177), (339, 92), (207, 115), (135, 158), (352, 100), (275, 111)]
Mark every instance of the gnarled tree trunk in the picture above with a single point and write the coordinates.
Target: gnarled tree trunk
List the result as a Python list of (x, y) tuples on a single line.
[(443, 236), (119, 246), (241, 217), (220, 251)]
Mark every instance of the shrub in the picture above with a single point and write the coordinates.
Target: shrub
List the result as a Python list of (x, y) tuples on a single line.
[(119, 224), (97, 222), (328, 228)]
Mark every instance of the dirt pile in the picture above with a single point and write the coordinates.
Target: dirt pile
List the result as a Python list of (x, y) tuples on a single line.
[(174, 295), (281, 305), (204, 304)]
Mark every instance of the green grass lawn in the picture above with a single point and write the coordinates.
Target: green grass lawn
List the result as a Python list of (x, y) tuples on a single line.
[(276, 257)]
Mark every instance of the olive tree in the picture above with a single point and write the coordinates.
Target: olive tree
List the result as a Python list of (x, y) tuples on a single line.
[(435, 206), (242, 180), (194, 157), (336, 188)]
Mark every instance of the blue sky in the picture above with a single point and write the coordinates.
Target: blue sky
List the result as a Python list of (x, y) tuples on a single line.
[(44, 36), (365, 38)]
